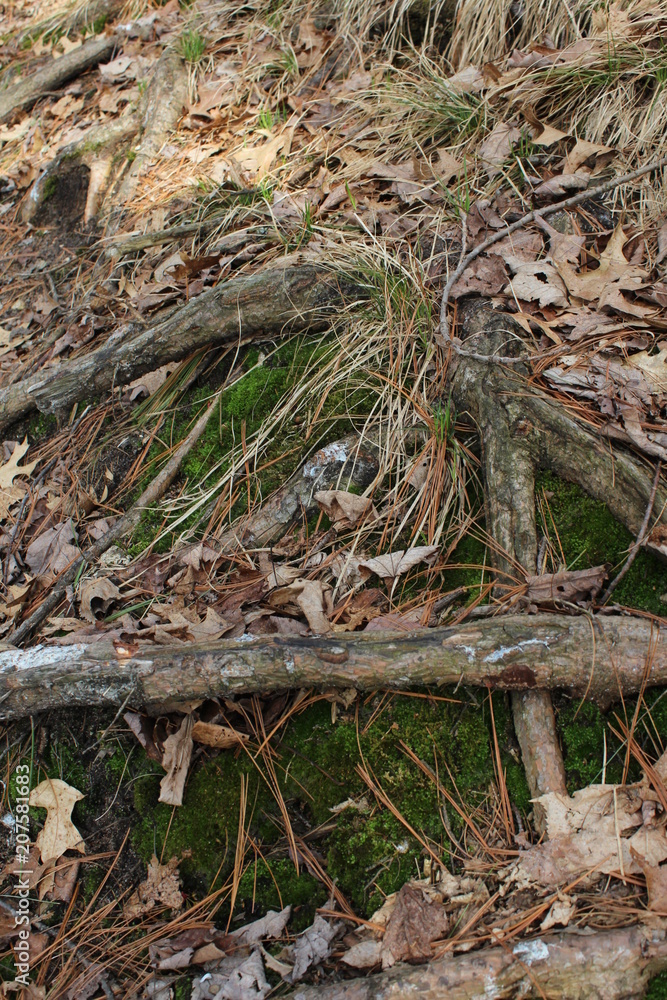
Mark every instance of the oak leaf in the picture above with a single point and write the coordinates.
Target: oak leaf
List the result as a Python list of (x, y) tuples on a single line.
[(58, 833)]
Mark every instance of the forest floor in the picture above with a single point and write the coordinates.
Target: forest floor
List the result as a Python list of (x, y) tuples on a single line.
[(298, 460)]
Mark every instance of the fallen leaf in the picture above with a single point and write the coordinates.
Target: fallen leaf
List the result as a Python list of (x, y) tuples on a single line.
[(394, 564), (568, 585), (52, 551), (58, 833), (415, 922), (537, 281), (256, 161), (548, 136), (312, 597), (364, 955), (162, 886), (176, 761), (11, 468), (485, 276), (562, 246), (654, 367), (313, 946), (220, 737), (241, 978), (271, 925), (584, 151), (560, 185), (96, 597), (345, 510), (497, 147)]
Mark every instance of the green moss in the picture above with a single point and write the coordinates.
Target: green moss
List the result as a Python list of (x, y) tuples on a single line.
[(590, 536), (274, 883), (657, 988)]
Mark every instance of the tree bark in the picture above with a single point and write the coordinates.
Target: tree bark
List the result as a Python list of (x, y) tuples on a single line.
[(292, 297), (23, 95), (602, 658), (509, 493), (608, 965), (552, 436)]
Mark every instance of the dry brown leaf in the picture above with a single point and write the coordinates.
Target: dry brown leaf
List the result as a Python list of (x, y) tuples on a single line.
[(549, 135), (96, 597), (256, 161), (562, 246), (52, 551), (613, 274), (654, 367), (312, 597), (497, 147), (313, 946), (162, 886), (11, 468), (238, 976), (345, 510), (486, 276), (213, 735), (537, 281), (560, 914), (394, 564), (58, 833), (561, 185), (271, 925), (569, 585), (415, 922), (584, 151), (176, 761)]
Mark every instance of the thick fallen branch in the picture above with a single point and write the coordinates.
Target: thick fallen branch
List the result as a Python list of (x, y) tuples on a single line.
[(616, 965), (23, 95), (601, 657), (263, 305)]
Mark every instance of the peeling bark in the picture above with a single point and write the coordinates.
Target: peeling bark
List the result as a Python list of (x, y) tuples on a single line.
[(602, 658), (614, 965), (23, 95), (292, 297)]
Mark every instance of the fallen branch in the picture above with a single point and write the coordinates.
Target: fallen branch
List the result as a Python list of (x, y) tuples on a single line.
[(601, 657), (616, 965), (23, 95), (292, 297), (121, 529)]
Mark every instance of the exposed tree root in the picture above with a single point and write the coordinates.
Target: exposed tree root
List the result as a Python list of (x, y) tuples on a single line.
[(601, 657), (23, 95), (552, 438), (509, 488), (165, 98), (50, 197), (257, 305), (616, 965)]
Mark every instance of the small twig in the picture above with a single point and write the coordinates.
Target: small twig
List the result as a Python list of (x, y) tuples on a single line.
[(467, 259), (639, 540), (124, 526)]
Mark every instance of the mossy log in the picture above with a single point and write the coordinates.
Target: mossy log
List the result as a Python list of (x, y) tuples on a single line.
[(603, 658), (267, 304), (23, 95), (616, 965)]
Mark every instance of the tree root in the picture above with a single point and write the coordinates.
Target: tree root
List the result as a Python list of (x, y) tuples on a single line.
[(256, 305), (616, 965), (551, 437), (23, 95), (602, 658), (166, 97)]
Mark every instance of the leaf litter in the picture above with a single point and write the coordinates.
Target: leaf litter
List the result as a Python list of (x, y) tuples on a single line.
[(588, 283)]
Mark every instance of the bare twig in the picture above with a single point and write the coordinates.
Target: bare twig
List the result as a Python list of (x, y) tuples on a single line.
[(467, 259), (639, 540)]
